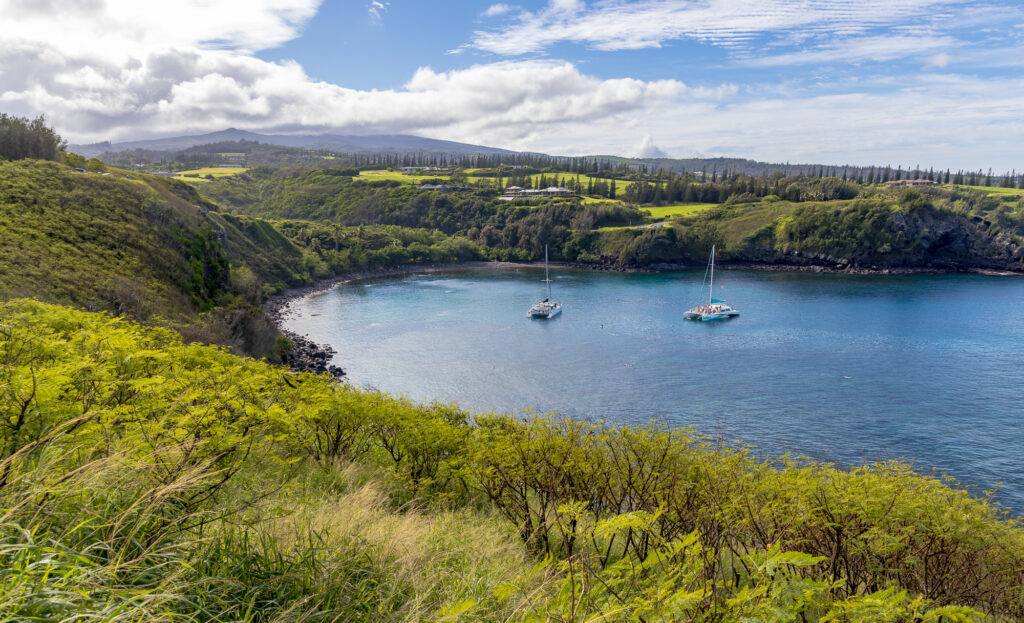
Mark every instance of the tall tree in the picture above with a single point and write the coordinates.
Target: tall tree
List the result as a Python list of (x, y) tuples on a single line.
[(22, 138)]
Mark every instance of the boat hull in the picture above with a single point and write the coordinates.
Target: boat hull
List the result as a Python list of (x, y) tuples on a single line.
[(710, 317), (707, 316), (545, 316), (544, 312)]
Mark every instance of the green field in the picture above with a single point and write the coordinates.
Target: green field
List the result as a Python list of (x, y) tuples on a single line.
[(199, 175), (415, 178), (620, 185), (396, 176), (997, 191), (663, 212)]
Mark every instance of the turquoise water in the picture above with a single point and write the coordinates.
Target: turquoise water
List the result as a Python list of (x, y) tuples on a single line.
[(838, 367)]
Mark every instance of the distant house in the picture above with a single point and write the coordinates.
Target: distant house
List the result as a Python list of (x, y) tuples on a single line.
[(445, 188), (513, 192), (918, 182)]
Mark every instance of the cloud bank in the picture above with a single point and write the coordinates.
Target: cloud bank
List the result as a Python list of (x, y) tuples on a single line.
[(629, 25), (118, 70), (151, 76)]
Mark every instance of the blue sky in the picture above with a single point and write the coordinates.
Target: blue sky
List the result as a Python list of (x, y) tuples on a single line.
[(904, 82)]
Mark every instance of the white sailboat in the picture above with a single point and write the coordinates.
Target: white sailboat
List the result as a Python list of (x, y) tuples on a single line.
[(546, 308), (714, 309)]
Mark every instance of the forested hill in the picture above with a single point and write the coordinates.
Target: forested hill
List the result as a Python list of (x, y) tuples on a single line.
[(152, 249), (796, 220), (144, 477)]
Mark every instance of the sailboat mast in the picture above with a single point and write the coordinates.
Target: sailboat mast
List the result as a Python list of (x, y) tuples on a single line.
[(711, 284), (547, 279)]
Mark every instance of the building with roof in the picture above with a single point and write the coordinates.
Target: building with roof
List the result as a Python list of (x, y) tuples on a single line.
[(917, 182), (518, 192)]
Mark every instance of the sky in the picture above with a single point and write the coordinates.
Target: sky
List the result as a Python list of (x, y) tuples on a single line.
[(933, 83)]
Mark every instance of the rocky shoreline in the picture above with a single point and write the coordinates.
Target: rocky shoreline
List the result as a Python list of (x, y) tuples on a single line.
[(308, 356)]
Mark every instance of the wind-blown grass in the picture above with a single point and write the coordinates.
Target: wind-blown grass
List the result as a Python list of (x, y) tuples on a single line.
[(143, 479)]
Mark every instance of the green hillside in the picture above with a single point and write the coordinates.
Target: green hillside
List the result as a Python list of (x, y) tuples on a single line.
[(775, 220), (143, 479), (151, 248), (145, 476)]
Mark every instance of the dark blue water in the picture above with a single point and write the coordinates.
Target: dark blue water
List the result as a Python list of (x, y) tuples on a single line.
[(838, 367)]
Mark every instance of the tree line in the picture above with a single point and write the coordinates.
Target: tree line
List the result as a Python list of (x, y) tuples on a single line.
[(21, 137)]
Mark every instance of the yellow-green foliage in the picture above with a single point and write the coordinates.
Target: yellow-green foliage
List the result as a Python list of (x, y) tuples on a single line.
[(998, 191), (145, 479), (663, 212), (92, 240), (398, 176), (199, 175)]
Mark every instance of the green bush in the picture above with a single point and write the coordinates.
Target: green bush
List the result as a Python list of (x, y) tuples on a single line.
[(147, 479)]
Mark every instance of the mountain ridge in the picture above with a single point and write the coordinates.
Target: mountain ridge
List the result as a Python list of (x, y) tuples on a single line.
[(337, 142)]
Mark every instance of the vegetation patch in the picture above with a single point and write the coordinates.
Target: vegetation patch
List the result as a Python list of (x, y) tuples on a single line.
[(996, 191), (660, 213), (146, 479), (202, 174)]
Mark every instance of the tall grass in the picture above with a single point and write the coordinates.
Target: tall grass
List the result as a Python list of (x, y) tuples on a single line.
[(148, 480)]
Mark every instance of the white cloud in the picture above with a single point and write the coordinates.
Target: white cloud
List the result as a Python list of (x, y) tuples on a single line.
[(939, 60), (376, 10), (103, 70), (498, 9), (940, 120), (646, 149), (860, 49), (113, 29), (161, 76), (624, 25), (172, 90)]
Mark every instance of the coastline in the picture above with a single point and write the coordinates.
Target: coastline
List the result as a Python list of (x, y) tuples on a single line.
[(307, 355)]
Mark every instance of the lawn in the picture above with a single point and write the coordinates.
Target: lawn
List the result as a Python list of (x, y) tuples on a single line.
[(552, 178), (663, 212), (998, 191), (397, 176), (199, 175), (600, 200)]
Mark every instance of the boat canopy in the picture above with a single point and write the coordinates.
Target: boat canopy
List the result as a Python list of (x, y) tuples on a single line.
[(716, 301)]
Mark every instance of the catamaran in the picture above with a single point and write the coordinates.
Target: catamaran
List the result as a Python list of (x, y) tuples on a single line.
[(546, 308), (714, 308)]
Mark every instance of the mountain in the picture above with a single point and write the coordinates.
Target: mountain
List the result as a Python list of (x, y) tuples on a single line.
[(337, 142)]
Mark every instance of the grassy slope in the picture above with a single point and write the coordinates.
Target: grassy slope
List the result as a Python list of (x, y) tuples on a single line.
[(95, 241), (662, 212), (146, 246), (199, 175), (950, 229), (998, 191), (417, 178), (204, 486), (937, 230)]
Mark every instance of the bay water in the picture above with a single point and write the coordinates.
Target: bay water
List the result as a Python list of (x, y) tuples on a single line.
[(842, 368)]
